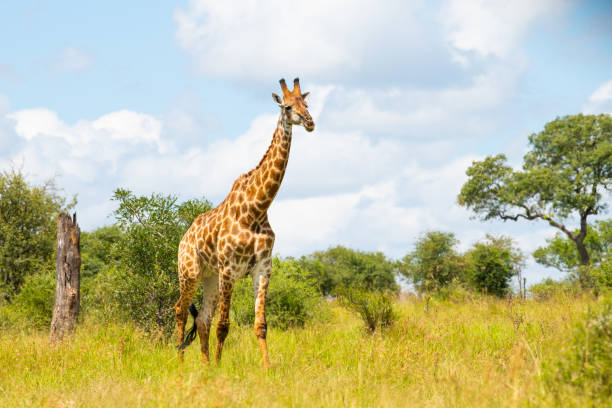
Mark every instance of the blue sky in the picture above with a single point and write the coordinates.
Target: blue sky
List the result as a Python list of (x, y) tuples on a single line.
[(175, 98)]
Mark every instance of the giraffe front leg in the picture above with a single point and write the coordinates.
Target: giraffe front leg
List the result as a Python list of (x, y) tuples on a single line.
[(261, 279), (226, 286)]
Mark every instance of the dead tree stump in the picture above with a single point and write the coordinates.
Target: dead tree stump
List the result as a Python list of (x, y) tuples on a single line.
[(68, 274)]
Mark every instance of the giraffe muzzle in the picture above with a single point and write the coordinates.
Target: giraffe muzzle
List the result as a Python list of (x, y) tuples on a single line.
[(309, 126)]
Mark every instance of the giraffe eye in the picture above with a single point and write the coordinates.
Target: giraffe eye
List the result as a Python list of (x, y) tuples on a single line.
[(287, 108)]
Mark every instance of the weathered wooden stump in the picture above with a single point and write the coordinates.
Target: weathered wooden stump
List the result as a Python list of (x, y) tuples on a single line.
[(68, 274)]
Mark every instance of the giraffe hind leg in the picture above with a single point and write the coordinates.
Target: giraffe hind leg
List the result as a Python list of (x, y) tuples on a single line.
[(190, 336), (210, 299), (189, 283)]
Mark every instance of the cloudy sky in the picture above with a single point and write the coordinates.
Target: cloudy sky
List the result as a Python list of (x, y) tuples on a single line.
[(175, 98)]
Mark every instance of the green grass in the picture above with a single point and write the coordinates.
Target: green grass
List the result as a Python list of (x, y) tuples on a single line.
[(484, 352)]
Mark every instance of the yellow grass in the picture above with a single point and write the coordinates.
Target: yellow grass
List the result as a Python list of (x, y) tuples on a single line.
[(480, 353)]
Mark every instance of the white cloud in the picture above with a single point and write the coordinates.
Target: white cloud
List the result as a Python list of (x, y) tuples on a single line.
[(80, 149), (383, 42), (600, 100), (325, 41), (423, 113), (72, 60), (492, 27)]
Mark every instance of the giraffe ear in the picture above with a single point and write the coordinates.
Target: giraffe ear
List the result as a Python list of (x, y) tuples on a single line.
[(305, 96), (277, 99)]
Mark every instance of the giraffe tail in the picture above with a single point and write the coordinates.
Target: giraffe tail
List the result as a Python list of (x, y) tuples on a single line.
[(191, 334)]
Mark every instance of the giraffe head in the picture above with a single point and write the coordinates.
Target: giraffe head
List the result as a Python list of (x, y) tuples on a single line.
[(293, 105)]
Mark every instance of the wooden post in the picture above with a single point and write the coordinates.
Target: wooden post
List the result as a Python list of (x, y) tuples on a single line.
[(68, 273)]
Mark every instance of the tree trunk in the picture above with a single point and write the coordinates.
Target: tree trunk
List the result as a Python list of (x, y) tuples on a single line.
[(582, 251), (67, 289)]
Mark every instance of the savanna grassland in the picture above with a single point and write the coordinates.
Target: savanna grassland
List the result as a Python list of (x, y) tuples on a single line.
[(481, 352)]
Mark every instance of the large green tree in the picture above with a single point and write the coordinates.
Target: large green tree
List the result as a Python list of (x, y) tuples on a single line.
[(433, 263), (27, 227), (566, 175)]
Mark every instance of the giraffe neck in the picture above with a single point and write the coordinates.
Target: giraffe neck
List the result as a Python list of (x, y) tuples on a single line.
[(268, 175)]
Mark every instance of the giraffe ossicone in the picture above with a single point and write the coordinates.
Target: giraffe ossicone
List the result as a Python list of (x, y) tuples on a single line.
[(235, 239)]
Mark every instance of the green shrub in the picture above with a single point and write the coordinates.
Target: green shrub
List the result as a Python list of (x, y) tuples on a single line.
[(491, 264), (455, 291), (139, 279), (34, 303), (374, 307), (290, 301), (595, 278), (549, 289), (125, 295), (340, 266), (587, 366)]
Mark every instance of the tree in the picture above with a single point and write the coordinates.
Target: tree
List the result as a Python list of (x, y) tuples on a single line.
[(433, 263), (27, 228), (153, 227), (560, 252), (349, 268), (564, 175), (143, 285), (491, 263)]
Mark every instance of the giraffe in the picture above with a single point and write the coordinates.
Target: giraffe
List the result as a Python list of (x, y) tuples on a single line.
[(235, 239)]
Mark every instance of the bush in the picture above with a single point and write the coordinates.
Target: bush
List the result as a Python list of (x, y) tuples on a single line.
[(34, 303), (291, 300), (342, 266), (141, 282), (595, 278), (491, 264), (146, 300), (99, 250), (434, 263), (456, 292), (587, 366), (550, 289), (27, 228), (374, 307)]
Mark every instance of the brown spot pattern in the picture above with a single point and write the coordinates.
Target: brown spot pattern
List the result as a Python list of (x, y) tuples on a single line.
[(235, 239)]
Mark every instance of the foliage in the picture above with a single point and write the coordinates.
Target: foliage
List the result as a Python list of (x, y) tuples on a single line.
[(291, 300), (491, 264), (126, 295), (587, 366), (565, 173), (374, 307), (549, 289), (434, 263), (153, 227), (27, 228), (561, 252), (34, 303), (144, 285), (342, 266), (99, 250)]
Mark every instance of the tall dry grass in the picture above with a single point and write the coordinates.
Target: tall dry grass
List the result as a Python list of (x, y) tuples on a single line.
[(481, 352)]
